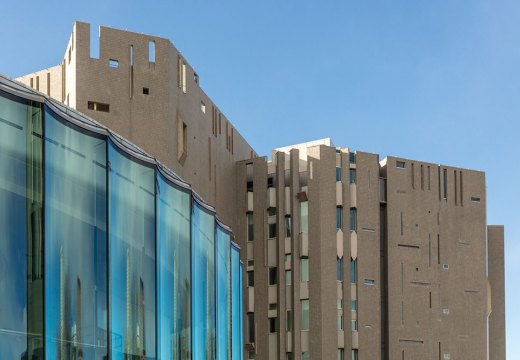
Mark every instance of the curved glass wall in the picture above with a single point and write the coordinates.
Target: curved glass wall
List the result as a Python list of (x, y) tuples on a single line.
[(20, 229), (75, 242), (235, 304), (131, 205), (173, 271), (104, 292), (223, 294), (203, 283)]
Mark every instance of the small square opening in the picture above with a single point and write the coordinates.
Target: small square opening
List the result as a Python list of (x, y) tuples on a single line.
[(146, 91), (114, 64)]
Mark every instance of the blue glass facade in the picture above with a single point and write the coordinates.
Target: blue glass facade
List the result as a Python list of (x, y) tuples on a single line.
[(104, 253)]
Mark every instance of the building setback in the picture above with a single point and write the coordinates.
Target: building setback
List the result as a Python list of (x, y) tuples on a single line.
[(346, 255)]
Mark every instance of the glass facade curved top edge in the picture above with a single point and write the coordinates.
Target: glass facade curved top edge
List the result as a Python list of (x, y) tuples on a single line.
[(17, 89)]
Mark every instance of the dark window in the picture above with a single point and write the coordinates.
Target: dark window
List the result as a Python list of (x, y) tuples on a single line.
[(289, 320), (353, 305), (250, 228), (339, 269), (272, 231), (352, 157), (272, 325), (338, 174), (98, 106), (250, 186), (288, 225), (251, 278), (251, 327), (146, 91), (270, 182), (352, 176), (271, 211), (339, 217), (445, 178), (273, 275), (400, 164)]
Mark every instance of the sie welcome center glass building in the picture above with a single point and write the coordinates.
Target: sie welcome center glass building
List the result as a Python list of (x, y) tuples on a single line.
[(105, 253)]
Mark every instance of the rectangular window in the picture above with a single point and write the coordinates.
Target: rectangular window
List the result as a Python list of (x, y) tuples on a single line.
[(181, 74), (369, 282), (304, 307), (114, 64), (340, 354), (353, 305), (270, 182), (273, 307), (203, 107), (288, 356), (250, 263), (289, 320), (352, 157), (98, 106), (272, 231), (339, 217), (339, 304), (306, 355), (251, 327), (400, 164), (339, 269), (354, 325), (272, 325), (273, 275), (353, 271), (475, 199), (250, 278), (288, 259), (354, 354), (353, 219), (250, 232), (352, 176), (340, 322), (288, 225), (288, 277), (38, 83), (338, 174), (304, 269), (49, 85), (271, 211)]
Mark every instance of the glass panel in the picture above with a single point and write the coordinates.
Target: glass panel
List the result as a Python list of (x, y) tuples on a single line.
[(304, 216), (339, 217), (223, 294), (75, 242), (203, 283), (173, 271), (236, 295), (20, 230), (132, 257), (304, 314), (353, 271), (304, 269)]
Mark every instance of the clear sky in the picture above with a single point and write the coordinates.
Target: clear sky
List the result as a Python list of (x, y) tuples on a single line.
[(432, 80)]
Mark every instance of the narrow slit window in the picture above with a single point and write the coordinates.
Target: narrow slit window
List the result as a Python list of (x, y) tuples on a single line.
[(445, 180), (151, 51)]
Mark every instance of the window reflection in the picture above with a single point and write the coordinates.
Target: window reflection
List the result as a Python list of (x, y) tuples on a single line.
[(75, 242), (132, 257)]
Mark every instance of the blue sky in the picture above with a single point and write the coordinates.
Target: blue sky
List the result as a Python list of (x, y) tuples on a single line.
[(433, 80)]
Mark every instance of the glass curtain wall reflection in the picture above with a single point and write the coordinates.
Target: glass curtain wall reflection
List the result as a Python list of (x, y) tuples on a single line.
[(173, 271), (21, 283), (223, 294), (241, 306), (75, 242), (235, 303), (203, 283), (132, 256)]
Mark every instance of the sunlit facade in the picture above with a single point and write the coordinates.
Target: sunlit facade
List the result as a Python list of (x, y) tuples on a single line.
[(104, 252)]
